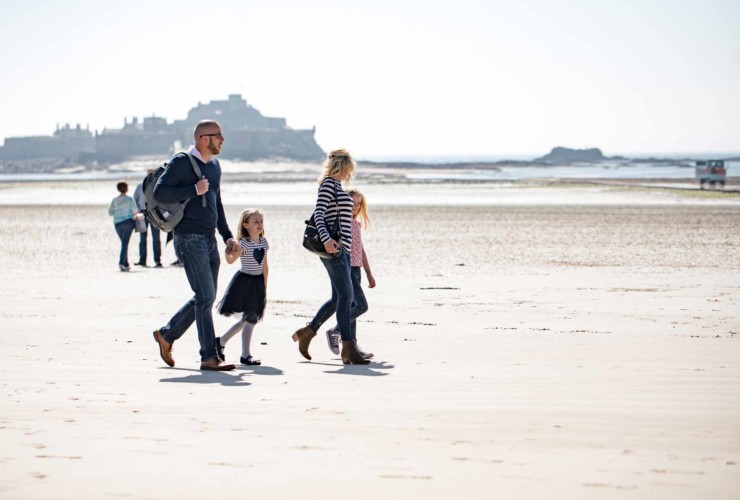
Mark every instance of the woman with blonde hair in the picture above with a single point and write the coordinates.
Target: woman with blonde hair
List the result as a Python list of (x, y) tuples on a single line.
[(333, 203)]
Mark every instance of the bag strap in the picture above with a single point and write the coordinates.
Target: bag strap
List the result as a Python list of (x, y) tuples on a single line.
[(336, 203), (197, 171)]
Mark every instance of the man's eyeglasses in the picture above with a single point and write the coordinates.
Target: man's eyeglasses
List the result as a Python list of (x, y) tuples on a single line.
[(218, 134)]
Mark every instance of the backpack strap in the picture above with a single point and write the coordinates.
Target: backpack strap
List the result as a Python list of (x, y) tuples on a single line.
[(197, 171)]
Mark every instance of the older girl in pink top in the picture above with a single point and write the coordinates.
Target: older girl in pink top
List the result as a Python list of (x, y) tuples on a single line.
[(358, 261)]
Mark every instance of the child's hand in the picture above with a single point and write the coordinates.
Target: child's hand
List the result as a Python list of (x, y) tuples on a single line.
[(370, 281)]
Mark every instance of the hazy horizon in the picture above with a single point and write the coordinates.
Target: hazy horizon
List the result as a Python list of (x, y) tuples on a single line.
[(391, 79)]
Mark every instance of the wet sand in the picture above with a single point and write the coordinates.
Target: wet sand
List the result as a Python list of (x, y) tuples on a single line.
[(523, 350)]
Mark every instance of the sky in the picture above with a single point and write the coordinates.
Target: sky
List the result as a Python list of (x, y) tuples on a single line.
[(389, 78)]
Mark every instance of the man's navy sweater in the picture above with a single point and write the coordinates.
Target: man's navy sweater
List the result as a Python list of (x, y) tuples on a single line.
[(177, 183)]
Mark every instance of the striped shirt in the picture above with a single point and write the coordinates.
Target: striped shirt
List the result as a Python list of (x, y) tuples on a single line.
[(253, 256), (326, 211)]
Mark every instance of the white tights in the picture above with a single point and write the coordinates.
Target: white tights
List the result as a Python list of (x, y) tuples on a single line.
[(246, 329)]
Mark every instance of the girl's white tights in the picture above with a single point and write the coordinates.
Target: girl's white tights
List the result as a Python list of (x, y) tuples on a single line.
[(246, 329)]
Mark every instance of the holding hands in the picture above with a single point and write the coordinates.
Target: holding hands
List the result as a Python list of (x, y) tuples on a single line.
[(232, 245), (233, 250)]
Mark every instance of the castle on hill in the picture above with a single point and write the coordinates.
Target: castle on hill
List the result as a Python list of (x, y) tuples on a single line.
[(249, 135)]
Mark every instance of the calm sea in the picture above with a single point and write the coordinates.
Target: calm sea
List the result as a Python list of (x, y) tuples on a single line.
[(288, 172)]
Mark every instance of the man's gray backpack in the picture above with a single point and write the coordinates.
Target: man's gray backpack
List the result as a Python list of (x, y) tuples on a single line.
[(165, 216)]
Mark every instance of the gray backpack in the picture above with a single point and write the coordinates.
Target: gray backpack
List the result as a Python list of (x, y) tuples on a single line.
[(165, 216)]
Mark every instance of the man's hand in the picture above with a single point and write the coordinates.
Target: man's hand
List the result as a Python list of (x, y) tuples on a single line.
[(201, 187), (231, 245)]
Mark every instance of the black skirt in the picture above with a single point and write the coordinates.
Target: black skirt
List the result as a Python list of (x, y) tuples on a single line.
[(246, 295)]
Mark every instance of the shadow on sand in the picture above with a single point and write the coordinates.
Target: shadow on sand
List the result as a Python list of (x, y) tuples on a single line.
[(260, 370), (364, 370), (208, 377)]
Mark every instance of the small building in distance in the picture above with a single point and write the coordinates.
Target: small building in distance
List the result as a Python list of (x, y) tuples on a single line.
[(67, 143), (152, 136)]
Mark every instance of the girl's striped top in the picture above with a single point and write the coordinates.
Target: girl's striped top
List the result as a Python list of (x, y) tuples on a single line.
[(253, 256), (326, 211)]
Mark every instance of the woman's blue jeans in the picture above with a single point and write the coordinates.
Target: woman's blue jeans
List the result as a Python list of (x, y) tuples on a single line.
[(124, 230), (359, 304), (199, 255), (342, 295)]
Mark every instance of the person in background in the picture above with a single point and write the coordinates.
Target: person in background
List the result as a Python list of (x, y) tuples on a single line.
[(123, 209), (156, 242), (170, 237)]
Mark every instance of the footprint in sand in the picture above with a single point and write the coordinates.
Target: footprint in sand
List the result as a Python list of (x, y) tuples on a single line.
[(397, 476)]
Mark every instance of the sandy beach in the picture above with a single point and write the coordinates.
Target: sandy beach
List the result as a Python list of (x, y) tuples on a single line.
[(546, 341)]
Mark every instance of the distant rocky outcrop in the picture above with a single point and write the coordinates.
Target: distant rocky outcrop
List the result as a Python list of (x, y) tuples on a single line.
[(560, 155)]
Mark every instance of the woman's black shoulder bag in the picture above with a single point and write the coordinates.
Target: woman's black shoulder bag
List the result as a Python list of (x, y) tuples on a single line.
[(312, 240)]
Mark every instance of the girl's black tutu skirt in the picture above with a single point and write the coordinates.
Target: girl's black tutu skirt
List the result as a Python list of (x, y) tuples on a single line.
[(246, 295)]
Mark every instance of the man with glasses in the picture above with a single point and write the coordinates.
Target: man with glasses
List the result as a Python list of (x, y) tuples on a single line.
[(195, 240)]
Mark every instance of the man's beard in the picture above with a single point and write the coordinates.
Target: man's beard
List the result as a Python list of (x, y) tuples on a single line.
[(214, 149)]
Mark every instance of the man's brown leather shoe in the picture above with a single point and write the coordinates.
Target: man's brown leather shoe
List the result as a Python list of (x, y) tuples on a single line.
[(215, 364), (165, 348)]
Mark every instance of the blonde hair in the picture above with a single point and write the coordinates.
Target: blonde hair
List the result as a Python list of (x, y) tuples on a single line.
[(241, 231), (362, 214), (338, 161)]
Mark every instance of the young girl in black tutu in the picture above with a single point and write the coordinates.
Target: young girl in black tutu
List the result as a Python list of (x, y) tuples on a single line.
[(246, 293)]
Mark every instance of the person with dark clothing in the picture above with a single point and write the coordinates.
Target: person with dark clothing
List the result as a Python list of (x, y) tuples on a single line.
[(140, 200), (195, 240)]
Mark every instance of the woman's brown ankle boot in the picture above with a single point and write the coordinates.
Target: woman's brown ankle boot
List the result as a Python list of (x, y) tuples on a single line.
[(350, 354), (304, 336)]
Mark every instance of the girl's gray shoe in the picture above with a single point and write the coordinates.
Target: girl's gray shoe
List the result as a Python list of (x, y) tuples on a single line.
[(333, 338)]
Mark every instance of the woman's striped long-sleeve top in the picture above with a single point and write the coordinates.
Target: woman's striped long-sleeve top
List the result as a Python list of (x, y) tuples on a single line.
[(326, 211)]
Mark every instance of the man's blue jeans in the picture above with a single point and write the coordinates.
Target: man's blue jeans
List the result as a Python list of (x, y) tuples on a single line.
[(124, 230), (342, 296), (199, 255), (156, 243)]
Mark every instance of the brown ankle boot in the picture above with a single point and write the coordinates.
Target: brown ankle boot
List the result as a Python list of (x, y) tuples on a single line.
[(350, 354), (304, 336)]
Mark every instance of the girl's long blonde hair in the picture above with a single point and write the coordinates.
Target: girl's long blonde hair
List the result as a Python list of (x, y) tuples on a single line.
[(362, 214), (241, 231), (338, 161)]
